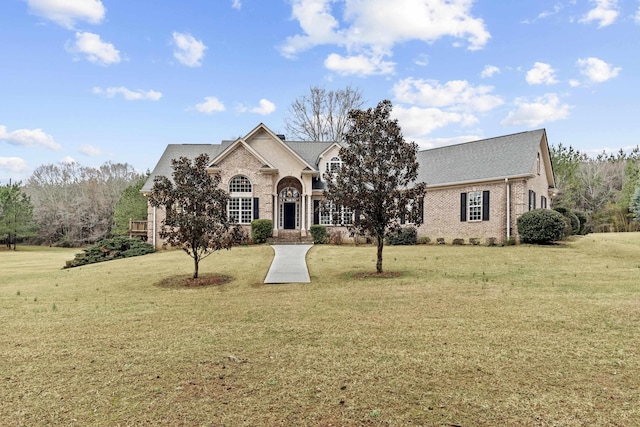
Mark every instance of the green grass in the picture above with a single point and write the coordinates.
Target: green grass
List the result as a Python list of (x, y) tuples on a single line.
[(471, 336)]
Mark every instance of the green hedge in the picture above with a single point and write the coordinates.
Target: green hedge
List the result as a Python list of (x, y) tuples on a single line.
[(108, 249), (261, 230), (541, 226), (403, 236), (319, 233)]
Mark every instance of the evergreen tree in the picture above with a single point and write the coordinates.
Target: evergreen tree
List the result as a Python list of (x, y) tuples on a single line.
[(16, 214), (377, 178)]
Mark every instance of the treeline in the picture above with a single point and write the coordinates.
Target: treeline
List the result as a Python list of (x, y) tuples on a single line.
[(602, 187), (72, 205)]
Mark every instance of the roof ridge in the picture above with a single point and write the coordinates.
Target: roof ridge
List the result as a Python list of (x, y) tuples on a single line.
[(481, 140)]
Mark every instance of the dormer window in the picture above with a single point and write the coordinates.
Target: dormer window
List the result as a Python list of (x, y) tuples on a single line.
[(334, 165)]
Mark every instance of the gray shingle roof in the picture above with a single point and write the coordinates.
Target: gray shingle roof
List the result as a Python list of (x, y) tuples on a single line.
[(494, 158), (173, 151), (308, 150)]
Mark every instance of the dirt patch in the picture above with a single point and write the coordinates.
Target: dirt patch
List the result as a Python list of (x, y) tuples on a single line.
[(375, 275), (190, 282)]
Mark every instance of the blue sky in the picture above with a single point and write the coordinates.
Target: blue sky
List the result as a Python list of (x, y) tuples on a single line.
[(117, 80)]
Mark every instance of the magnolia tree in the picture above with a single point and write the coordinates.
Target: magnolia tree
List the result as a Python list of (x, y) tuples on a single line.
[(377, 177), (196, 210)]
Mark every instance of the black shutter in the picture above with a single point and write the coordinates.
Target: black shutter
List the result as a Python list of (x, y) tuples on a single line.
[(530, 204), (256, 208), (485, 205), (316, 212), (463, 207), (534, 199), (421, 207)]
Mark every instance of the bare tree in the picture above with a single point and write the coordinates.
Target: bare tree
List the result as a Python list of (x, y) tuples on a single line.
[(322, 115)]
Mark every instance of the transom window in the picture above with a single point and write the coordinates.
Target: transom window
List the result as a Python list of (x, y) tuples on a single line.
[(475, 206), (239, 184)]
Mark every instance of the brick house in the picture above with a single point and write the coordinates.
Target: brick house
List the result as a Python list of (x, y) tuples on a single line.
[(475, 190)]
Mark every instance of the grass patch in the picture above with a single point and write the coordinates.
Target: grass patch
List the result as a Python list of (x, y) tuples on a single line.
[(466, 335)]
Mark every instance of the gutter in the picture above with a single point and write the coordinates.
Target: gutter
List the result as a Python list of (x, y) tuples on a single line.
[(508, 190)]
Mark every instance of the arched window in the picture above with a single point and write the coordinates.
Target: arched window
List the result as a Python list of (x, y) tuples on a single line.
[(239, 184), (241, 206), (334, 165)]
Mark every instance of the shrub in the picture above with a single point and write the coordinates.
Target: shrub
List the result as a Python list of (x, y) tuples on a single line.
[(474, 241), (318, 233), (424, 240), (458, 242), (572, 220), (492, 241), (108, 249), (403, 236), (440, 240), (541, 226), (261, 230), (582, 217)]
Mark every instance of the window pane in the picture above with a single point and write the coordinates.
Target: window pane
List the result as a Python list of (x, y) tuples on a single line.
[(475, 206)]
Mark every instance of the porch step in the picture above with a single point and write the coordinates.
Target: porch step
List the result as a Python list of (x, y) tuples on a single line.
[(291, 237)]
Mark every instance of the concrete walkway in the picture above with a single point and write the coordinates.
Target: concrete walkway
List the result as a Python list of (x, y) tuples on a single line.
[(289, 264)]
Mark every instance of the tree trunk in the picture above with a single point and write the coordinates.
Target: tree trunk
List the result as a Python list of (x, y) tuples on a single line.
[(195, 266), (380, 246)]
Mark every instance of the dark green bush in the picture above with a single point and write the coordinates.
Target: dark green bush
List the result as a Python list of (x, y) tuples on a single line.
[(108, 249), (541, 226), (457, 242), (261, 230), (403, 236), (572, 220), (319, 233), (582, 217)]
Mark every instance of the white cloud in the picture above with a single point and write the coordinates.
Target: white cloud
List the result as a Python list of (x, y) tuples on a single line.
[(605, 13), (67, 12), (544, 109), (96, 51), (359, 65), (236, 4), (29, 138), (13, 164), (265, 107), (489, 71), (68, 160), (541, 73), (457, 95), (422, 121), (596, 70), (129, 95), (92, 151), (636, 17), (371, 28), (188, 51), (210, 105)]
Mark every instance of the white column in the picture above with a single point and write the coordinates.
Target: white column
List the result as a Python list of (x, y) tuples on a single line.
[(274, 201), (303, 213)]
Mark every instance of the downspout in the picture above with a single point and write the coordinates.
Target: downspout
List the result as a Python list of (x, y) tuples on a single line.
[(154, 227), (508, 190)]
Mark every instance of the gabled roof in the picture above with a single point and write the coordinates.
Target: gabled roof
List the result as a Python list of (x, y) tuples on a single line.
[(309, 151), (225, 151), (174, 151), (264, 128), (508, 156)]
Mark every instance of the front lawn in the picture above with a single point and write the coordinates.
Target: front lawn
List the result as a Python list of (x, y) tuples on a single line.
[(464, 335)]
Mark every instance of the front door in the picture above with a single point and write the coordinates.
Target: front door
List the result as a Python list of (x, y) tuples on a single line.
[(289, 216)]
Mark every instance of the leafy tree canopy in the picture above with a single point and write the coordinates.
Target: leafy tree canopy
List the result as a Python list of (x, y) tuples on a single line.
[(16, 213), (132, 205), (377, 176), (196, 210)]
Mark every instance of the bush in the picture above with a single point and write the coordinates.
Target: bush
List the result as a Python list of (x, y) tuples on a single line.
[(572, 220), (457, 242), (261, 230), (541, 226), (108, 249), (440, 240), (403, 236), (582, 217), (319, 234), (424, 240), (335, 237), (492, 241)]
